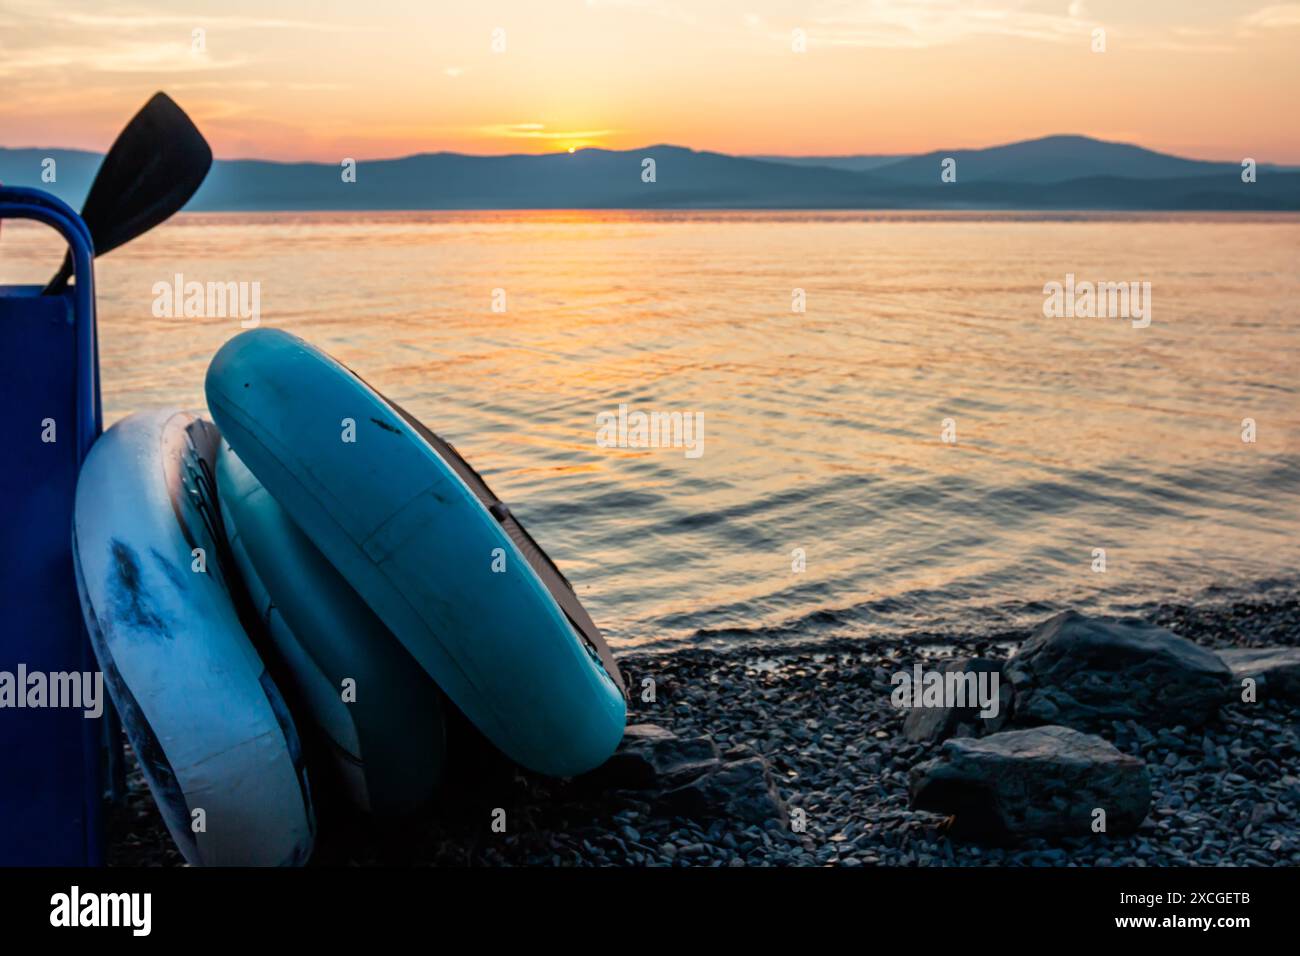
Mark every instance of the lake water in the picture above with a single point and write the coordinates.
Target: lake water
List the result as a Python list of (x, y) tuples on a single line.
[(823, 429)]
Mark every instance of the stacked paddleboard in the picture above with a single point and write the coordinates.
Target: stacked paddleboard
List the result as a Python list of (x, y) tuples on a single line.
[(381, 717), (335, 549), (209, 726)]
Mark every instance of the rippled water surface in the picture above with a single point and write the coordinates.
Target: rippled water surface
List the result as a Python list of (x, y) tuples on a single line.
[(822, 429)]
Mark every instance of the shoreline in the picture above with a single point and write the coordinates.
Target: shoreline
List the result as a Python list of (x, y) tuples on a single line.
[(820, 714)]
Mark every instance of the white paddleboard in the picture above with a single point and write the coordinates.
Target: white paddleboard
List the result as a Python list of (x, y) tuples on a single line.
[(211, 731)]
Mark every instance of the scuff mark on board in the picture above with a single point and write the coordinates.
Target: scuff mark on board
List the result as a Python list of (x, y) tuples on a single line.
[(132, 603)]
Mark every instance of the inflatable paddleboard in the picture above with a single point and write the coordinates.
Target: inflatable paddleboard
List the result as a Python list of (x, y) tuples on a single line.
[(209, 727), (402, 525), (379, 711)]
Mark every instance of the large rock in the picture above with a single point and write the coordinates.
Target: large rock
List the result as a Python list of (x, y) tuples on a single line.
[(688, 777), (741, 790), (1046, 781), (1276, 671), (933, 724), (1086, 672), (652, 758)]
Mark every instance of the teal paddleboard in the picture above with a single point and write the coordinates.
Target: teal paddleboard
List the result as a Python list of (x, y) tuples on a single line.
[(379, 712), (443, 565)]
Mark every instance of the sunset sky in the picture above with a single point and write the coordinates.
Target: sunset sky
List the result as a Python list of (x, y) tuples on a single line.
[(322, 79)]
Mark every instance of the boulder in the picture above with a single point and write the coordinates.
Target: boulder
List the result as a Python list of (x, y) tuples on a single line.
[(1041, 782), (686, 776), (933, 724), (652, 758), (1276, 671), (1085, 672), (741, 790)]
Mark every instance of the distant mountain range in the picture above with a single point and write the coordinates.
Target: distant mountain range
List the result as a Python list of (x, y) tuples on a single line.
[(854, 164), (1053, 173)]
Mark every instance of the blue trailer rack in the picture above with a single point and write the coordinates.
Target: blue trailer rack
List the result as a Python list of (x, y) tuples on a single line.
[(52, 760)]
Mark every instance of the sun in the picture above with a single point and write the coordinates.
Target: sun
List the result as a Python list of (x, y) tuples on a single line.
[(572, 148)]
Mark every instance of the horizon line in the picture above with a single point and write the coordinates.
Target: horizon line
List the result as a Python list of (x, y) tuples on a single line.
[(758, 157)]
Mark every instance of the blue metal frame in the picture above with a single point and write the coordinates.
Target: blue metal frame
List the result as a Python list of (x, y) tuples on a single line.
[(20, 202), (52, 782)]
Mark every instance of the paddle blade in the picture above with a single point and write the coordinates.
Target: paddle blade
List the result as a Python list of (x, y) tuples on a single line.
[(151, 171)]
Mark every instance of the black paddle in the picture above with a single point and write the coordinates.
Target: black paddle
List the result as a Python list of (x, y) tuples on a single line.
[(150, 172)]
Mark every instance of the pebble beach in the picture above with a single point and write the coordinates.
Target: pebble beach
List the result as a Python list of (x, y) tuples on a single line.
[(820, 716)]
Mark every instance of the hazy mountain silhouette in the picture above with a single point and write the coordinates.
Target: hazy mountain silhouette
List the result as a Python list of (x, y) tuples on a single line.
[(589, 178), (1057, 172), (855, 164), (1052, 159), (74, 168)]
